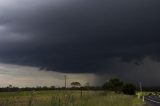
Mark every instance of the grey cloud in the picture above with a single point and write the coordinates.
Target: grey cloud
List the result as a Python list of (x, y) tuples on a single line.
[(80, 36)]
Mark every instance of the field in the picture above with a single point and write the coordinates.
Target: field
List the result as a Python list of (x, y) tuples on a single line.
[(67, 98)]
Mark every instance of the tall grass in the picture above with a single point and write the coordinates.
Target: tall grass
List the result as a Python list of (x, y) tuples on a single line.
[(67, 98)]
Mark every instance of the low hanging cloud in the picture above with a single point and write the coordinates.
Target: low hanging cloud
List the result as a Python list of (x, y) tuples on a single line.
[(85, 36), (25, 76)]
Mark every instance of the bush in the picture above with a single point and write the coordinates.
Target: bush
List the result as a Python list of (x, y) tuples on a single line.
[(129, 89), (114, 85)]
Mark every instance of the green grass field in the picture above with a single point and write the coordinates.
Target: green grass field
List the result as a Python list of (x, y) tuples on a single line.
[(67, 98)]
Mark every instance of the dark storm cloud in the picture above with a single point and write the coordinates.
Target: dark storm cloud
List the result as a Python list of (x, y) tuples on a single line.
[(79, 36)]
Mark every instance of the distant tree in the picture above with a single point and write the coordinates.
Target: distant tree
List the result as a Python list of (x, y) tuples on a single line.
[(129, 89), (44, 87), (75, 84), (38, 87), (52, 87), (114, 85), (10, 86)]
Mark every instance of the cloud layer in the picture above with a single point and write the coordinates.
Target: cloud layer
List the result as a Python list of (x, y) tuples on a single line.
[(79, 36)]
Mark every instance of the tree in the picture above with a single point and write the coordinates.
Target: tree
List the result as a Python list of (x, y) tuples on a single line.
[(10, 86), (75, 84), (52, 87), (114, 85), (129, 89)]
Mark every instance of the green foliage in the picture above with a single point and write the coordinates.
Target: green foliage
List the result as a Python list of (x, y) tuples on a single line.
[(75, 84), (129, 89), (118, 86), (114, 85)]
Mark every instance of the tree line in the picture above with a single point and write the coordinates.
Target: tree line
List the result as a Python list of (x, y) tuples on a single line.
[(114, 85), (120, 87)]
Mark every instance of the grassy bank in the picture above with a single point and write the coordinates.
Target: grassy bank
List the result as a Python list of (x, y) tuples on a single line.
[(67, 98)]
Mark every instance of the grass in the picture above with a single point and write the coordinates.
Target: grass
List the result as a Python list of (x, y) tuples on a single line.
[(67, 98)]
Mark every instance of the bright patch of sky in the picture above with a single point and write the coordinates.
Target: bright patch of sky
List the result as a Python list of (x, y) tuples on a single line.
[(23, 76)]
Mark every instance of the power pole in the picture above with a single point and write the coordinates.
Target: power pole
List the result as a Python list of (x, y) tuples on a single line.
[(65, 81), (140, 86)]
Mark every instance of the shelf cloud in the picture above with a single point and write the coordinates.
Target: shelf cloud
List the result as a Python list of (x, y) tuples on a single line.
[(81, 36)]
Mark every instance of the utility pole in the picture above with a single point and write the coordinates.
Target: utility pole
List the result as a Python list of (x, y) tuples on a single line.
[(65, 81), (140, 86)]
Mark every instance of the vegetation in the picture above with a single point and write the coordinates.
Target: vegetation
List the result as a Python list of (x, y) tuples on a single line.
[(129, 89), (77, 95), (67, 98), (114, 84), (75, 84), (118, 87)]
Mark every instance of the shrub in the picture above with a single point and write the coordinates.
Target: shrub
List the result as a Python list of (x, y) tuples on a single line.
[(129, 89), (114, 85)]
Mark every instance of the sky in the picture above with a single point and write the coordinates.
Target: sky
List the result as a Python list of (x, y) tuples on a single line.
[(89, 40)]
